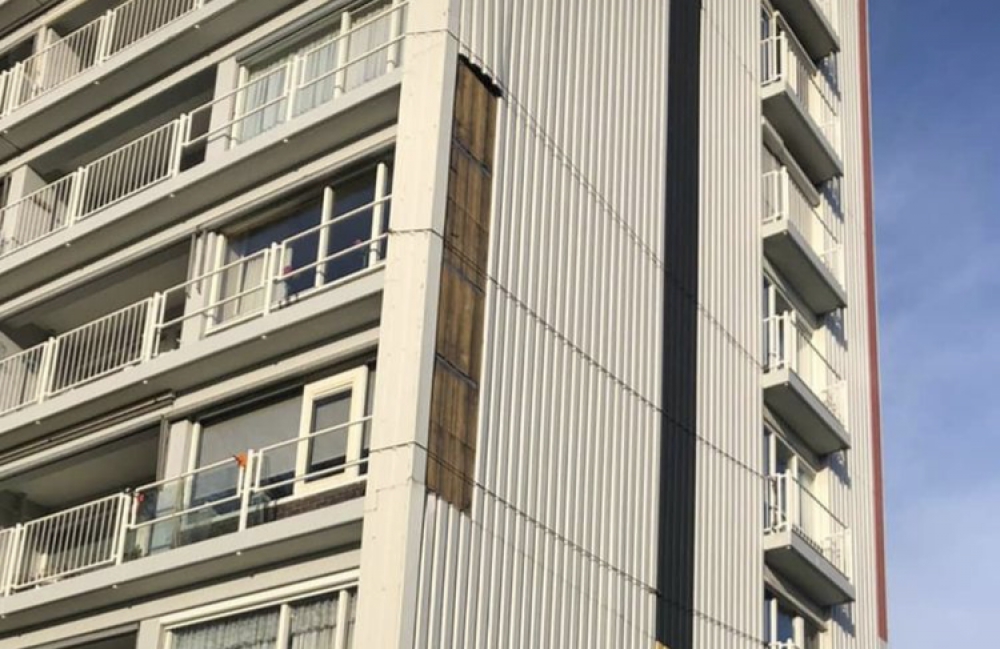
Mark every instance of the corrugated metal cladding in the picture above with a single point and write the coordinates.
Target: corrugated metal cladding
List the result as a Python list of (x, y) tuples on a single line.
[(560, 545), (856, 626), (728, 556)]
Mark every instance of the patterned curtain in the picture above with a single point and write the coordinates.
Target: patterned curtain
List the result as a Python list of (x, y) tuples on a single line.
[(255, 630)]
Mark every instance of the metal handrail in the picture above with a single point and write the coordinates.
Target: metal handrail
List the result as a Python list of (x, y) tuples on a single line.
[(791, 505), (788, 62), (787, 202), (86, 48), (95, 534), (134, 334), (785, 344)]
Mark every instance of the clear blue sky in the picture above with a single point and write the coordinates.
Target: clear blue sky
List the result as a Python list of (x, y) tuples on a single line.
[(937, 159)]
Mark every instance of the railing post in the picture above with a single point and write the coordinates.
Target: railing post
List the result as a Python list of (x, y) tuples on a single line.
[(151, 329), (343, 56), (15, 554), (75, 196), (395, 31), (12, 87), (4, 84), (784, 195), (179, 141), (293, 86), (124, 507), (246, 488), (378, 213), (272, 268), (47, 371), (104, 35)]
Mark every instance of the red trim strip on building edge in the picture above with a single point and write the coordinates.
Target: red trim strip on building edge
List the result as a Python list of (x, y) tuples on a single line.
[(876, 406)]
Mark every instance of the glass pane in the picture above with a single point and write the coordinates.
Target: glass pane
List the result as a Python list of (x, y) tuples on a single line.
[(786, 625), (256, 427), (351, 230), (254, 630), (329, 450), (299, 253), (313, 623), (263, 103), (316, 80)]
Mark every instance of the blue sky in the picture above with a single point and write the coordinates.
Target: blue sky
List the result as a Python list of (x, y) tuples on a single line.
[(937, 160)]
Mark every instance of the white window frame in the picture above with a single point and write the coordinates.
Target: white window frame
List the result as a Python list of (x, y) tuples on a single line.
[(341, 583), (355, 381)]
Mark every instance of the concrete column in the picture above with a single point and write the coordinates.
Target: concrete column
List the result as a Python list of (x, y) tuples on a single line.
[(396, 485), (227, 79)]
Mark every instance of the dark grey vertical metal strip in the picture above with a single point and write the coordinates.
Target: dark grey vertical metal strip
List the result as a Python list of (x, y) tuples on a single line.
[(676, 552)]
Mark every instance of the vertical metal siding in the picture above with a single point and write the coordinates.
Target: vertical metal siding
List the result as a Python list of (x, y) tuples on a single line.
[(728, 578), (856, 626), (560, 546)]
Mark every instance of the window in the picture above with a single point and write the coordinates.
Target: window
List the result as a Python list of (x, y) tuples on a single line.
[(305, 441), (313, 621), (334, 233), (330, 58)]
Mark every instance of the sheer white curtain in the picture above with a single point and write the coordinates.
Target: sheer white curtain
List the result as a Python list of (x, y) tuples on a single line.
[(313, 623), (376, 31), (316, 80), (255, 630), (262, 105)]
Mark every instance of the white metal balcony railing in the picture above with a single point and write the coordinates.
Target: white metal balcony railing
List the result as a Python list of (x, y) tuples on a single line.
[(787, 346), (87, 47), (790, 505), (307, 81), (785, 201), (784, 60), (247, 288), (787, 644), (221, 498)]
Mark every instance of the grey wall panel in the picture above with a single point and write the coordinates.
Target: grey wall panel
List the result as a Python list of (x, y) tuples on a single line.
[(728, 582), (560, 546)]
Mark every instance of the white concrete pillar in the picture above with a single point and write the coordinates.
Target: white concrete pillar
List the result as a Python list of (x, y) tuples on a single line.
[(227, 79), (396, 484)]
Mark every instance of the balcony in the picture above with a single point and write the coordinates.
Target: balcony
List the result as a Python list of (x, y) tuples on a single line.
[(245, 311), (801, 244), (321, 99), (109, 547), (802, 387), (110, 57), (807, 543), (816, 22), (802, 106)]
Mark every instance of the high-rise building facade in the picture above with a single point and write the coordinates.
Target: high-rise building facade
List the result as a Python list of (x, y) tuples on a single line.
[(410, 324)]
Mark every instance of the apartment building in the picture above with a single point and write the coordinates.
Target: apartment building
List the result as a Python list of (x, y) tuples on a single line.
[(437, 323)]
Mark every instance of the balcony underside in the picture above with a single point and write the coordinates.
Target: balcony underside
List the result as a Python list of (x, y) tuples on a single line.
[(813, 28), (333, 313), (801, 135), (788, 396), (127, 71), (794, 258), (13, 12), (235, 172), (801, 563), (223, 557)]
